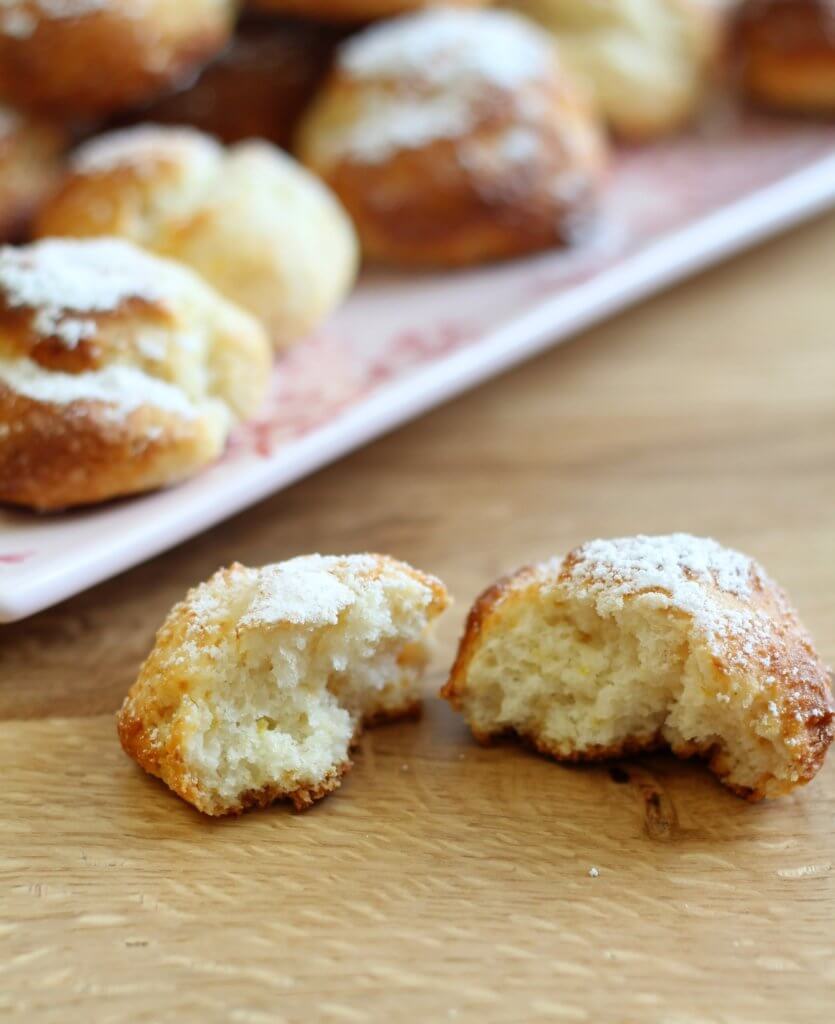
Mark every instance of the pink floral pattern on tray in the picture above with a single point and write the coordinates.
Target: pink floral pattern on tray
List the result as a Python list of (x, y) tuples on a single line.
[(15, 557), (652, 193), (405, 342)]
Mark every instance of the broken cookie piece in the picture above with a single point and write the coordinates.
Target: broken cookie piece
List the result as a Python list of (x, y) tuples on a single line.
[(261, 680), (643, 642)]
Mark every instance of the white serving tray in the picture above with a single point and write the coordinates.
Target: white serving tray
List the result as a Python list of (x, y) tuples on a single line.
[(406, 343)]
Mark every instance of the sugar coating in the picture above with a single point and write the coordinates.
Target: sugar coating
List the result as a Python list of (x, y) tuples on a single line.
[(248, 219), (306, 593), (64, 283), (262, 677), (302, 595), (312, 590), (518, 144), (679, 571), (444, 47), (125, 388), (628, 643), (427, 76), (515, 147), (143, 146), (111, 418), (387, 124), (677, 563)]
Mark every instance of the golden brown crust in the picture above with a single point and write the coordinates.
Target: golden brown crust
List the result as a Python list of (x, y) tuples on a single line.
[(137, 743), (96, 403), (595, 752), (346, 11), (520, 173), (249, 219), (257, 87), (154, 733), (55, 457), (478, 620), (425, 208), (128, 193), (409, 709), (106, 57), (114, 337), (166, 764), (778, 654), (634, 745), (786, 54), (31, 151), (302, 798)]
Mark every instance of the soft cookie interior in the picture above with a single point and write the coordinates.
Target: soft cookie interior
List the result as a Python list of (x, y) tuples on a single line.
[(637, 643), (262, 679)]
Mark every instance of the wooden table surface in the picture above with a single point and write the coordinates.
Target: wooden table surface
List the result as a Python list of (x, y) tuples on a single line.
[(445, 882)]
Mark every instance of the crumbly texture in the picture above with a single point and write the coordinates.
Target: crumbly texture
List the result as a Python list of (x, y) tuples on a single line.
[(785, 52), (249, 219), (31, 151), (643, 642), (455, 137), (647, 63), (90, 58), (119, 372), (261, 680)]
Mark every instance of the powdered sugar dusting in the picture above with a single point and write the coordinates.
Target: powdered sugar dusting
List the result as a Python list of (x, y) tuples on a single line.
[(65, 282), (122, 388), (386, 124), (425, 77), (394, 329), (301, 594), (346, 567), (310, 590), (448, 47), (515, 147), (144, 147), (679, 564), (682, 572), (519, 144)]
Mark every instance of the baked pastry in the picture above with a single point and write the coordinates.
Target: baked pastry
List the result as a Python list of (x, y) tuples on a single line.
[(632, 644), (92, 57), (646, 62), (119, 372), (255, 88), (786, 52), (255, 224), (454, 138), (261, 679), (31, 150), (347, 11)]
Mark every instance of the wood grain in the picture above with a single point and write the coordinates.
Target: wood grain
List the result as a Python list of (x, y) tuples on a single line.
[(446, 882)]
